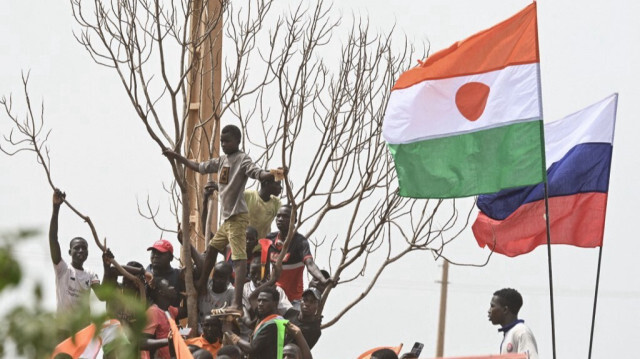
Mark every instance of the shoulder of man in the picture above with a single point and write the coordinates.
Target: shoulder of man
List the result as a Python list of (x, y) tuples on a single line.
[(61, 266)]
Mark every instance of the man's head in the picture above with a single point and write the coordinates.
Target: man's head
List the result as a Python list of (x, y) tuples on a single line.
[(162, 293), (252, 238), (221, 277), (161, 254), (504, 306), (212, 329), (291, 351), (229, 351), (255, 271), (268, 301), (310, 300), (230, 138), (128, 284), (314, 283), (78, 250), (283, 216), (384, 354), (271, 187)]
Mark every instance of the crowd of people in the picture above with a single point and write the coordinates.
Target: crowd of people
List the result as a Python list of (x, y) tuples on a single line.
[(245, 307), (241, 312)]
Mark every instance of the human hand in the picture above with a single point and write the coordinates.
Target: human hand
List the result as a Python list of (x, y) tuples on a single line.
[(148, 277), (107, 256), (179, 234), (210, 187), (330, 282), (58, 197)]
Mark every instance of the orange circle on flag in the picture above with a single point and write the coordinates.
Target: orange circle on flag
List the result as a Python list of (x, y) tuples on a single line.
[(471, 99)]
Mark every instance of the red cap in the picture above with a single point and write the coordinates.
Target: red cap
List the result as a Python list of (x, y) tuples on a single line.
[(162, 245)]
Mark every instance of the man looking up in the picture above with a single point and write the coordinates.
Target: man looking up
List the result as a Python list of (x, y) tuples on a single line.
[(73, 282), (233, 169), (503, 310), (298, 256)]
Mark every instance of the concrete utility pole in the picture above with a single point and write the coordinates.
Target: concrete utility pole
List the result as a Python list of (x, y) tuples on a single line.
[(443, 309), (203, 121)]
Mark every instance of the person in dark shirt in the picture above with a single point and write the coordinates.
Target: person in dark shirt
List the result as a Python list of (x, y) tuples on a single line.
[(308, 319), (160, 267), (264, 340)]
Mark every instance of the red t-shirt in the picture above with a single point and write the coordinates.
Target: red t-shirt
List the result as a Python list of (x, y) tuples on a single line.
[(292, 265), (158, 327)]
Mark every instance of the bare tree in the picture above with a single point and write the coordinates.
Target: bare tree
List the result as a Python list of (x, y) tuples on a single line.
[(30, 135), (309, 94), (324, 122)]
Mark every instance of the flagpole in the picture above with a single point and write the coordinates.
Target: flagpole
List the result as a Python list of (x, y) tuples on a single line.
[(595, 301), (595, 297), (546, 194), (553, 324)]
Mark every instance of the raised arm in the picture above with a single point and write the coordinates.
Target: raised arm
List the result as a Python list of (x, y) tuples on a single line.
[(297, 335), (103, 290), (110, 275), (54, 245), (198, 259), (315, 271), (194, 166)]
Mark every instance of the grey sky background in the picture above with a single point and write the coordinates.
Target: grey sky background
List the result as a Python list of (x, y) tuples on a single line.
[(103, 159)]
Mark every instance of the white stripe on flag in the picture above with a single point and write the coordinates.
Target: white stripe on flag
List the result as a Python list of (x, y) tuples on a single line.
[(590, 125), (428, 109)]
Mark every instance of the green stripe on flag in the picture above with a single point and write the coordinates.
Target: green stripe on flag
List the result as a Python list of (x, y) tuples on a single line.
[(474, 163)]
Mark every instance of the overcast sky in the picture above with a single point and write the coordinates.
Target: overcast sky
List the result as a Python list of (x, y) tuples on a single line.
[(104, 160)]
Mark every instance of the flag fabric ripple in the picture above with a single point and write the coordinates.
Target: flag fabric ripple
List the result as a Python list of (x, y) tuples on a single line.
[(578, 152), (467, 120)]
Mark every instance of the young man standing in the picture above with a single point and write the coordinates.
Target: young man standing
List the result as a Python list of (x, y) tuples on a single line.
[(297, 258), (503, 310), (233, 169), (73, 282)]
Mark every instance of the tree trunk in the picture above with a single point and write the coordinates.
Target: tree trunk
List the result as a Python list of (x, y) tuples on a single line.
[(192, 294)]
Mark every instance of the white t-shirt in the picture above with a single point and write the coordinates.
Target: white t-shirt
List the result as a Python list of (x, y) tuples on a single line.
[(283, 305), (72, 285), (519, 339)]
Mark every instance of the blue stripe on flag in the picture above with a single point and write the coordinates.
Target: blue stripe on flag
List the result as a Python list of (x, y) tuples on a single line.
[(585, 168)]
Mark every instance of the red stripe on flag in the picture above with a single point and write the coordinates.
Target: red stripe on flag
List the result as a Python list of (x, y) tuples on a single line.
[(576, 220), (511, 42)]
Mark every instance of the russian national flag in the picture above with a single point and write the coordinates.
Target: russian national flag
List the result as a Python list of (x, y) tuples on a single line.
[(578, 156)]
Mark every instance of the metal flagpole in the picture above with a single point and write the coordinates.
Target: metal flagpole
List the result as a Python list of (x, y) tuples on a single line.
[(546, 198), (595, 297), (595, 301), (546, 209), (443, 309)]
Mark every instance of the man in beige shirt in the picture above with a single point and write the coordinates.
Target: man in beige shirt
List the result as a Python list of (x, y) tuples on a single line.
[(263, 206)]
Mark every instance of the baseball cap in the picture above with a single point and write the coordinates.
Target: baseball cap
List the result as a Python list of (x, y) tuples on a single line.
[(162, 245), (316, 293)]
